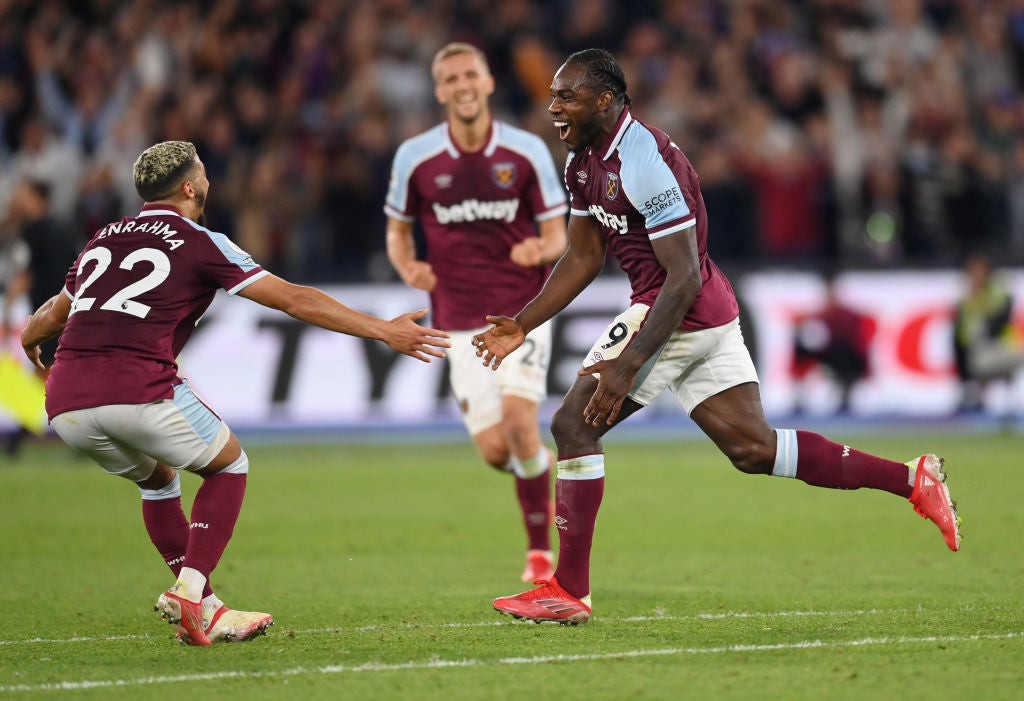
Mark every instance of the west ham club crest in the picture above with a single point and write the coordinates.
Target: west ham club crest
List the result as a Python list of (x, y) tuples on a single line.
[(504, 174), (611, 186)]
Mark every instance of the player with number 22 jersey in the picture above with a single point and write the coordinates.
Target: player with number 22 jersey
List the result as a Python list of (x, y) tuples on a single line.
[(123, 351)]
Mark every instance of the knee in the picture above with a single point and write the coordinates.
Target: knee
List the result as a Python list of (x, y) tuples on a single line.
[(161, 477), (752, 456), (520, 431), (572, 435), (494, 451), (497, 459), (564, 426)]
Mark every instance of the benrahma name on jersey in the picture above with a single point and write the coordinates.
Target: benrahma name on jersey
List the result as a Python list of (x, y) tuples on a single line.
[(156, 227)]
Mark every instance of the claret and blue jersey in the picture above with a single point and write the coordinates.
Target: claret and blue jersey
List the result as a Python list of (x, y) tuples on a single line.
[(639, 187), (138, 288), (473, 208)]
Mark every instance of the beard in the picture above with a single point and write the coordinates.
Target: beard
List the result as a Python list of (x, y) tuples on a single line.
[(201, 205), (587, 134)]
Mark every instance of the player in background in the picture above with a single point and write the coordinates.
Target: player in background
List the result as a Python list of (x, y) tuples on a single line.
[(492, 209), (129, 304), (632, 192)]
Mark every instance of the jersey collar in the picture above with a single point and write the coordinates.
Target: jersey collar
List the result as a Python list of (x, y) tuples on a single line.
[(153, 210), (489, 149), (625, 119)]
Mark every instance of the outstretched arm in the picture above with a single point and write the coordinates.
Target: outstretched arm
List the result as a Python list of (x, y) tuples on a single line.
[(318, 308), (576, 269), (677, 253)]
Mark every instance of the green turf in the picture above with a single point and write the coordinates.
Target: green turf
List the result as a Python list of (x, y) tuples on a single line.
[(379, 564)]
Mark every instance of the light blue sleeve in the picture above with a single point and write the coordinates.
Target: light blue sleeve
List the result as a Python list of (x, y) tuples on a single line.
[(409, 155), (231, 250), (649, 182)]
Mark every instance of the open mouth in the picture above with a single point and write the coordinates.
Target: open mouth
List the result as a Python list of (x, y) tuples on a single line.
[(563, 129)]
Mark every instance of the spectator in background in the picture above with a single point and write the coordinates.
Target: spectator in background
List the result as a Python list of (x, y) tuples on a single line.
[(14, 258), (14, 283), (974, 209), (1015, 203), (986, 346), (84, 104), (45, 158), (50, 249), (311, 80), (789, 179), (726, 197), (12, 108), (51, 246), (836, 338)]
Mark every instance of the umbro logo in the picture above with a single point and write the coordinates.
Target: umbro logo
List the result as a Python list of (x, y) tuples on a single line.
[(560, 522), (581, 177)]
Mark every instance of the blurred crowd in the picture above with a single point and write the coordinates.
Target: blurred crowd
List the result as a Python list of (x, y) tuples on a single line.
[(841, 132)]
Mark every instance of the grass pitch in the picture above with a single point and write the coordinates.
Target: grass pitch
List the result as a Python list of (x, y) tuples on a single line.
[(379, 564)]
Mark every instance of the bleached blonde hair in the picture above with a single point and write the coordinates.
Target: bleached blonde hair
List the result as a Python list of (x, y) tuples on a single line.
[(161, 168)]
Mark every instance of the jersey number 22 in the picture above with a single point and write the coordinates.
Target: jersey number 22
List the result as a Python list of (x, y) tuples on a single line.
[(124, 299)]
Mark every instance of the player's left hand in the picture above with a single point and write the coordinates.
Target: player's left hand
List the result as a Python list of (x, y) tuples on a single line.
[(529, 253), (614, 381), (494, 344)]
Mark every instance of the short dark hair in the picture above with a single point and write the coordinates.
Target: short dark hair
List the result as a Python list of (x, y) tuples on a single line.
[(161, 168), (603, 71)]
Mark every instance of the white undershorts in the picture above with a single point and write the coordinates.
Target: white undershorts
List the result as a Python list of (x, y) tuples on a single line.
[(695, 365), (128, 439), (479, 389)]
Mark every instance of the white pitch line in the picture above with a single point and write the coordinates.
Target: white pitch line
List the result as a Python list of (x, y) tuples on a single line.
[(483, 624), (540, 659)]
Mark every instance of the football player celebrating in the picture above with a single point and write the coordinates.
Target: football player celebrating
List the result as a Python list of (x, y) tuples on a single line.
[(129, 304), (492, 210), (633, 193)]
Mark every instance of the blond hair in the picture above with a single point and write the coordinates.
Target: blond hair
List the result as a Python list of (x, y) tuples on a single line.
[(454, 49), (160, 169)]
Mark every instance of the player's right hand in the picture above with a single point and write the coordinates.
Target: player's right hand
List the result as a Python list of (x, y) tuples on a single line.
[(495, 344), (408, 337), (35, 355), (528, 253), (420, 274)]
